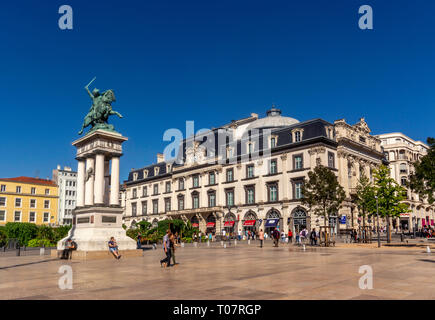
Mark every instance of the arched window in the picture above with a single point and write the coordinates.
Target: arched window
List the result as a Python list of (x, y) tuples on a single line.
[(273, 214), (250, 215)]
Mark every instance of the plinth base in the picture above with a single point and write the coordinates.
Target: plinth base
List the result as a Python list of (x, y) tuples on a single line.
[(97, 255), (93, 228)]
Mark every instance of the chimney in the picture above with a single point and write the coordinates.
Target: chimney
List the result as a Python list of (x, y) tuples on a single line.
[(160, 157)]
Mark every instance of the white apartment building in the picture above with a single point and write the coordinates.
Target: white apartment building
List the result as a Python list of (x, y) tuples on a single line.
[(253, 179), (401, 151), (66, 179)]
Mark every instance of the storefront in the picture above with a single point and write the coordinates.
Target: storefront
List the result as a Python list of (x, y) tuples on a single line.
[(229, 223), (299, 218), (270, 225), (211, 224), (195, 222), (250, 222)]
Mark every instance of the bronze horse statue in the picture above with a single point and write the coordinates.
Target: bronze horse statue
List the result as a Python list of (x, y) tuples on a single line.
[(100, 110)]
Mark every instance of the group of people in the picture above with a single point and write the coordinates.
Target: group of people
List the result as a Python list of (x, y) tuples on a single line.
[(170, 241)]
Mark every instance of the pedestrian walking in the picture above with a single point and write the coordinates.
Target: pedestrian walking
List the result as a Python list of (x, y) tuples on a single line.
[(139, 241), (313, 237), (261, 237), (166, 262), (275, 235), (290, 236)]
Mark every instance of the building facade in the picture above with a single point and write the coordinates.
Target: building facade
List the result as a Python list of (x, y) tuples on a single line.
[(252, 178), (25, 199), (66, 179), (401, 152)]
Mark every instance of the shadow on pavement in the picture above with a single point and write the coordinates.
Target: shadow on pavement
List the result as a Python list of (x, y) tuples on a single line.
[(27, 264)]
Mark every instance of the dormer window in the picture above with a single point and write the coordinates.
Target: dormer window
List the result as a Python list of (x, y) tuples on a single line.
[(135, 176), (156, 171), (168, 168), (297, 135), (145, 174)]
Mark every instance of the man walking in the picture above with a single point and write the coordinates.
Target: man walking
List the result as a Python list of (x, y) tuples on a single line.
[(166, 262), (261, 237), (290, 236), (313, 237), (275, 237)]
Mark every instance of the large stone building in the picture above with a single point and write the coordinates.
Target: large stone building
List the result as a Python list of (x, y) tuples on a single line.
[(26, 199), (66, 179), (248, 174), (401, 152)]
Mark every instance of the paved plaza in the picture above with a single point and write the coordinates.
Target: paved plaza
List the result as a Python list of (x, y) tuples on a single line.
[(241, 272)]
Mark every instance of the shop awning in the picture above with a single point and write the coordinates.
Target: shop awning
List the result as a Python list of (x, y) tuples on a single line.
[(195, 225), (210, 224), (249, 223), (271, 223), (229, 223)]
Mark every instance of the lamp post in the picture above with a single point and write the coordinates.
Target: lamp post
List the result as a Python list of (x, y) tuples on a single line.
[(377, 217)]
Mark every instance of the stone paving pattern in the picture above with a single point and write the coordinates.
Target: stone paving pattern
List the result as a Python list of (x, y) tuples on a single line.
[(242, 272)]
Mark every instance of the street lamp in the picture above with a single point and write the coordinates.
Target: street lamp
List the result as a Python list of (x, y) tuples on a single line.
[(377, 215)]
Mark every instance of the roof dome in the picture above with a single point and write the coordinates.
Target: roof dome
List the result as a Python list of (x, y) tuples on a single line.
[(273, 120)]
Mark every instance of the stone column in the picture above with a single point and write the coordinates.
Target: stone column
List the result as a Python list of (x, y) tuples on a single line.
[(89, 186), (106, 182), (99, 179), (114, 182), (81, 183)]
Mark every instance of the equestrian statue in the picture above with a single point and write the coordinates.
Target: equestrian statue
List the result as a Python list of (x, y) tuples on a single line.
[(100, 110)]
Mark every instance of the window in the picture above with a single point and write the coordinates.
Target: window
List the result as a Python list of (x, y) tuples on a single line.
[(133, 209), (331, 160), (155, 206), (195, 200), (212, 199), (46, 204), (46, 216), (273, 192), (2, 215), (403, 168), (404, 181), (298, 136), (2, 201), (155, 189), (195, 181), (181, 184), (362, 139), (211, 178), (230, 175), (32, 203), (230, 197), (3, 188), (250, 148), (145, 174), (17, 216), (134, 196), (134, 176), (298, 162), (18, 202), (144, 208), (47, 192), (18, 189), (168, 186), (181, 203), (273, 142), (250, 195), (298, 189), (230, 152), (156, 171), (273, 166), (33, 190), (250, 171), (144, 191), (167, 204)]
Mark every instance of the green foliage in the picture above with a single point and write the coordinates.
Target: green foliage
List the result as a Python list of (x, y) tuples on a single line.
[(40, 243), (132, 233), (3, 236), (22, 231), (322, 193), (45, 232), (422, 181), (389, 193), (124, 226), (60, 232), (365, 197)]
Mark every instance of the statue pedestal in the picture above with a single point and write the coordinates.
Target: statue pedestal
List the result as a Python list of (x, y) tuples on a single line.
[(98, 215)]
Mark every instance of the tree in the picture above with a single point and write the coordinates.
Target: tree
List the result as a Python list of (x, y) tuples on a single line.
[(365, 197), (390, 196), (23, 231), (422, 181), (322, 193)]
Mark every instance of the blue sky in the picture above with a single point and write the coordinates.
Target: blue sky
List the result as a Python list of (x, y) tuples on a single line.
[(207, 61)]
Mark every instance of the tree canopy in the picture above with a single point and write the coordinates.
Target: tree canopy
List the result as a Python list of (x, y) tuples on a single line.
[(322, 192), (422, 181)]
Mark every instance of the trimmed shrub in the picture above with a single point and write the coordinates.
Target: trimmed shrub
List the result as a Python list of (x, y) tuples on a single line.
[(22, 231), (40, 243)]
